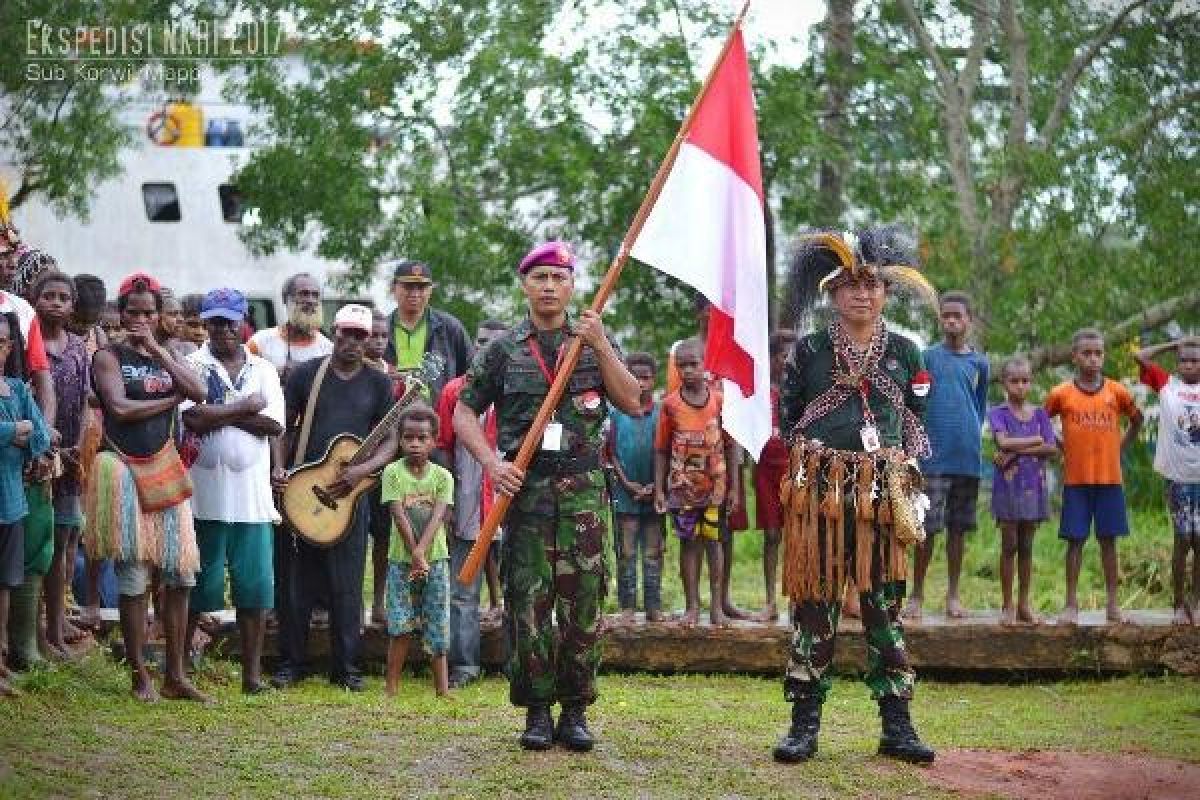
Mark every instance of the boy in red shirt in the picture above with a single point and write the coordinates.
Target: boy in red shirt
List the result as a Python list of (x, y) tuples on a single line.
[(1091, 407), (691, 478)]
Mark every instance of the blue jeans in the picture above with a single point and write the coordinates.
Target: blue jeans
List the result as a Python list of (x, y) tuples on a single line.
[(644, 531), (463, 658)]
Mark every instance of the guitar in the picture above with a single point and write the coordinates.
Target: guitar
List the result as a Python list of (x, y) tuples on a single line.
[(307, 505)]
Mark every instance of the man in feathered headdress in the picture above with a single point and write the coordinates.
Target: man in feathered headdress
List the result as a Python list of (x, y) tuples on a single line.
[(851, 402)]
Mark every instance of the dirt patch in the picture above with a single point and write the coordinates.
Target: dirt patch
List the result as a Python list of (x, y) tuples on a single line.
[(1045, 774)]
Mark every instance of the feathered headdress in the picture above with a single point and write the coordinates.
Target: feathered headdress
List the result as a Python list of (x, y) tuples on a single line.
[(7, 232), (825, 260)]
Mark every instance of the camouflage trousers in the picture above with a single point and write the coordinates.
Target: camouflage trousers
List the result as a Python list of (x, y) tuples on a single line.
[(815, 633), (555, 566)]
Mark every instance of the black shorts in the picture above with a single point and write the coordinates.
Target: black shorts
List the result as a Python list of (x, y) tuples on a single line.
[(12, 555), (380, 526), (951, 502)]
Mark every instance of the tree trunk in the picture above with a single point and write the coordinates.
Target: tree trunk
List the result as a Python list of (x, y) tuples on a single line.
[(839, 61)]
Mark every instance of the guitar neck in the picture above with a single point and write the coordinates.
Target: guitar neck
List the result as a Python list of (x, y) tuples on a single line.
[(389, 419)]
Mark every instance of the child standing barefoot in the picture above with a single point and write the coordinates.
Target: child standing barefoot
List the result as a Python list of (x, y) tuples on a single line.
[(1091, 407), (418, 493), (692, 477), (1024, 440), (1177, 458)]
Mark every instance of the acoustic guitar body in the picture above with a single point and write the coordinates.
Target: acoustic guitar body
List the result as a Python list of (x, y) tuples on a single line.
[(307, 506)]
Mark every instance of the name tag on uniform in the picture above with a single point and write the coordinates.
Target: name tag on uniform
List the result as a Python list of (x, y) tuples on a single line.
[(870, 438), (552, 436)]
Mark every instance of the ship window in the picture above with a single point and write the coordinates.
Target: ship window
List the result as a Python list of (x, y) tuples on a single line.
[(162, 202), (231, 202)]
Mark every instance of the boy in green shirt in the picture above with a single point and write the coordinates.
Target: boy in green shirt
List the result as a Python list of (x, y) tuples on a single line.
[(418, 492)]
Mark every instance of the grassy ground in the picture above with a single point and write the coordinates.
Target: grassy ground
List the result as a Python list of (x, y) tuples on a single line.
[(76, 733)]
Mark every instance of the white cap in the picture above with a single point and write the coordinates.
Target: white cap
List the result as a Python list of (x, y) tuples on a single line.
[(353, 316)]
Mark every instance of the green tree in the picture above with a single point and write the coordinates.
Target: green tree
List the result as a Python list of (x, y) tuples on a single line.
[(460, 132), (61, 131), (1043, 152)]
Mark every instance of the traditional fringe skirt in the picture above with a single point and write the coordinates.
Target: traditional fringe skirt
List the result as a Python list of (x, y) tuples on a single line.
[(846, 514), (117, 528)]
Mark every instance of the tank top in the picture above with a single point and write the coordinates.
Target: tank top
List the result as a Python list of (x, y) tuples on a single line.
[(144, 379)]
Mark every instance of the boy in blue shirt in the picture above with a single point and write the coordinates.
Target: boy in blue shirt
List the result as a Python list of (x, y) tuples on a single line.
[(630, 451), (954, 421)]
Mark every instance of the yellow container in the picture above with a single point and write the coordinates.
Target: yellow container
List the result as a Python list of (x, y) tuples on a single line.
[(190, 119)]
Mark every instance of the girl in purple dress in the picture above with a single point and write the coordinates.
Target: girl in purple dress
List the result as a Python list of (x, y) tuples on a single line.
[(1024, 440)]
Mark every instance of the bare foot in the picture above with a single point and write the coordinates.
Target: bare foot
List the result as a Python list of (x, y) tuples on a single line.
[(770, 613), (954, 609), (690, 618), (89, 618), (6, 690), (1069, 616), (912, 611), (184, 690), (1115, 616), (143, 687), (378, 617), (627, 617), (58, 651), (1183, 616), (733, 612), (1028, 616), (654, 616), (718, 619), (1008, 616), (852, 610)]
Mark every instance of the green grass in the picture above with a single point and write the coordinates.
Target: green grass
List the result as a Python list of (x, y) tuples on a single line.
[(76, 733)]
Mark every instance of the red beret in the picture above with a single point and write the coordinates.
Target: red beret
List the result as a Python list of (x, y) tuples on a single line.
[(548, 254)]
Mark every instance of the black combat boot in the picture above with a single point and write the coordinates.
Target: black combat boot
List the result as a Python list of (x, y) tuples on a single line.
[(899, 740), (539, 729), (572, 731), (800, 743)]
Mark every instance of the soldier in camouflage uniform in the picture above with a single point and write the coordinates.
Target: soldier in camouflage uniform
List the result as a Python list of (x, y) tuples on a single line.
[(555, 558), (855, 387)]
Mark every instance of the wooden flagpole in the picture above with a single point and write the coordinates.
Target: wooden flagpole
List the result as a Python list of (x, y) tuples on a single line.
[(533, 438)]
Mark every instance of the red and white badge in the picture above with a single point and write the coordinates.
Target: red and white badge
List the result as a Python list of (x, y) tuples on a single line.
[(591, 400), (921, 383)]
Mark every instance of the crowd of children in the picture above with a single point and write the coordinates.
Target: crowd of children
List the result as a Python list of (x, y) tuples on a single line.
[(696, 470)]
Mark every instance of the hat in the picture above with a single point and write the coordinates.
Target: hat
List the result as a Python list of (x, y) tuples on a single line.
[(224, 303), (548, 254), (412, 272), (128, 285), (354, 316)]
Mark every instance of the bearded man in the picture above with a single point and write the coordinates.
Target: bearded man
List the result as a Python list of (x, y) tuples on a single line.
[(300, 338)]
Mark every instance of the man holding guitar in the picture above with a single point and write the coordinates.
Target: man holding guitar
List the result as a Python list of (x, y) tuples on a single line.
[(350, 398), (556, 547)]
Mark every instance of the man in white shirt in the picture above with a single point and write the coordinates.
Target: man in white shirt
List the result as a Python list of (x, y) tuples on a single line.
[(232, 504)]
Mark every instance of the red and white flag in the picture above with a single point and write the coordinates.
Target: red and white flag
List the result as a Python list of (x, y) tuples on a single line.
[(707, 229)]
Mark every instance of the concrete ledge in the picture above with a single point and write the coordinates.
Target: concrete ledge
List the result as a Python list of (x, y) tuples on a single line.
[(978, 644)]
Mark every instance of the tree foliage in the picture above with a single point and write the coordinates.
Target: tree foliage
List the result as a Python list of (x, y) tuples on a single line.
[(1040, 149)]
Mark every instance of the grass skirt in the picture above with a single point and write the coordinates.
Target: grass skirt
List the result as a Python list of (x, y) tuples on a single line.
[(117, 528)]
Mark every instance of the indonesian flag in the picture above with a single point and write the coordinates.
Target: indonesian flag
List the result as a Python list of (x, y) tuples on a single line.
[(707, 229)]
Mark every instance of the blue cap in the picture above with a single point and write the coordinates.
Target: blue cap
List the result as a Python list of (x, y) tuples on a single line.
[(225, 303)]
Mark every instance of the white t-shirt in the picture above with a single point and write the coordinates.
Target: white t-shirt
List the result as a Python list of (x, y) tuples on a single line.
[(271, 345), (1177, 454), (232, 476)]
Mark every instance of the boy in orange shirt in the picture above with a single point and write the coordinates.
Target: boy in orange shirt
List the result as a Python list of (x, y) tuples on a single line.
[(692, 479), (1091, 407)]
